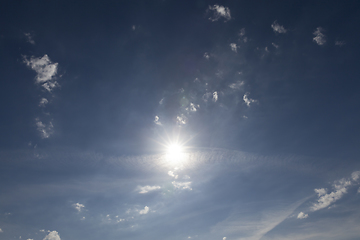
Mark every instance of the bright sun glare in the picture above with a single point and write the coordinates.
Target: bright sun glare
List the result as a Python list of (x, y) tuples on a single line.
[(174, 153)]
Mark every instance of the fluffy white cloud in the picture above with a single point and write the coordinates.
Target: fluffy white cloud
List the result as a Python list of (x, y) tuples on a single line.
[(302, 215), (248, 100), (325, 199), (1, 230), (233, 47), (145, 210), (206, 55), (319, 36), (78, 206), (53, 235), (224, 238), (45, 70), (219, 12), (215, 96), (277, 27), (30, 38), (45, 129), (42, 230), (147, 188), (182, 185)]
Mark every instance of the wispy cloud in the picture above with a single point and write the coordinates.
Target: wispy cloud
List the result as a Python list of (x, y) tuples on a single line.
[(78, 206), (237, 85), (248, 100), (45, 69), (53, 235), (45, 129), (277, 27), (219, 12), (157, 121), (320, 37), (340, 43), (43, 102), (145, 210), (30, 38), (276, 46), (182, 185), (147, 188)]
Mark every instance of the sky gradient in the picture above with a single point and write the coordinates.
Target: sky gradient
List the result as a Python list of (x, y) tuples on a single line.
[(179, 120)]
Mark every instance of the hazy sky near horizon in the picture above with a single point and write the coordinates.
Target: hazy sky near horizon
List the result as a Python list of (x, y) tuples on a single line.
[(179, 120)]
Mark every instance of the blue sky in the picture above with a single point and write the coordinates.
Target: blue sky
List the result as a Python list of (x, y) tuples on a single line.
[(179, 120)]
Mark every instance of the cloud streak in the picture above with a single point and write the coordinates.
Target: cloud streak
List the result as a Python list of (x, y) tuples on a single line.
[(320, 37)]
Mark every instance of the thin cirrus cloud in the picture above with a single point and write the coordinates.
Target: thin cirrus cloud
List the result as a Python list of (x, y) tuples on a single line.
[(320, 37), (219, 12), (147, 188), (45, 70), (182, 185), (277, 27)]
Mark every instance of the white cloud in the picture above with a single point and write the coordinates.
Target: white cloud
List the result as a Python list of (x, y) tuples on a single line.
[(1, 230), (355, 175), (242, 32), (193, 107), (237, 85), (30, 38), (53, 235), (78, 206), (277, 27), (224, 238), (45, 129), (219, 12), (147, 188), (45, 70), (319, 36), (157, 121), (325, 199), (30, 239), (340, 43), (215, 96), (43, 102), (276, 46), (206, 55), (42, 230), (233, 47), (145, 210), (182, 185), (171, 173), (181, 119), (248, 100), (302, 215)]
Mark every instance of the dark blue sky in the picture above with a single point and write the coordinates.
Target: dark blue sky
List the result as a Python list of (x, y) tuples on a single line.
[(179, 119)]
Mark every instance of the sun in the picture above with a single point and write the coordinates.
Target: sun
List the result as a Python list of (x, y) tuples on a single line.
[(174, 153)]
